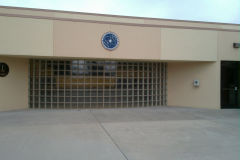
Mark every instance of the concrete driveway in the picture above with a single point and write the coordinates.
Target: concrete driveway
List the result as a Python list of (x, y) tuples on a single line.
[(167, 133)]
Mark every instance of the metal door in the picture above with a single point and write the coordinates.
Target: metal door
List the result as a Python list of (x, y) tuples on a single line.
[(230, 84)]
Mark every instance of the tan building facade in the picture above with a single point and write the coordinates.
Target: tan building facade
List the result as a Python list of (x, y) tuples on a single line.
[(170, 55)]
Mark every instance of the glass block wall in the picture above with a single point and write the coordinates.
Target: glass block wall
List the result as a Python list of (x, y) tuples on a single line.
[(96, 84)]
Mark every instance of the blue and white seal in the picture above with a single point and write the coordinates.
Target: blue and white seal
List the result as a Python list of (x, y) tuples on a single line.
[(110, 41)]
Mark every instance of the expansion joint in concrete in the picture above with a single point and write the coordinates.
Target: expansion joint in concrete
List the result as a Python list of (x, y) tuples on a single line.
[(110, 137)]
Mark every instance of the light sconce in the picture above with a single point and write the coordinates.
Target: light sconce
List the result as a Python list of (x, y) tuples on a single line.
[(196, 83), (236, 45)]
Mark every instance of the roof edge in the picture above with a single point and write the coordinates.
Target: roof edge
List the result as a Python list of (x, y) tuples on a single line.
[(117, 16)]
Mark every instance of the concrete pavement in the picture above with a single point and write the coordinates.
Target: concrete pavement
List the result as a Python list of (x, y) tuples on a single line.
[(169, 133)]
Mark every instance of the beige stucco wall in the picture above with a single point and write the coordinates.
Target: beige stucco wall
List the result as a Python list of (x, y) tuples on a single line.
[(180, 84), (188, 44), (225, 46), (73, 35), (14, 87), (62, 38), (25, 36), (78, 39)]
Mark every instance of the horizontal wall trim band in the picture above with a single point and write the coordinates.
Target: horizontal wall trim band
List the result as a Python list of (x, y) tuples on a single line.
[(110, 59), (115, 23)]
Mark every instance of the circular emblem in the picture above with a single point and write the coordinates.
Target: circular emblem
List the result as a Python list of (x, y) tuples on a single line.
[(110, 41), (4, 69)]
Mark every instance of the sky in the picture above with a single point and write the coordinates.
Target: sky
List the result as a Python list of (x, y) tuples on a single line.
[(225, 11)]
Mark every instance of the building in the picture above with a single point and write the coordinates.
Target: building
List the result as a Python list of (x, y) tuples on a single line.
[(59, 59)]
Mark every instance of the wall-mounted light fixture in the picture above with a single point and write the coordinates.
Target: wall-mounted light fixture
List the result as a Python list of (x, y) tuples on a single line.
[(236, 45), (196, 83)]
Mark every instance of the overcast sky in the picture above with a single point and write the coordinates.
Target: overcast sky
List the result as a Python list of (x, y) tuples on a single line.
[(227, 11)]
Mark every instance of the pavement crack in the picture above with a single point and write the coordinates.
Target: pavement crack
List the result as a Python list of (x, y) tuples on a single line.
[(110, 137)]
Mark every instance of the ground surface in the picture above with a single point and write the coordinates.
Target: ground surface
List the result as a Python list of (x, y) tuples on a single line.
[(119, 134)]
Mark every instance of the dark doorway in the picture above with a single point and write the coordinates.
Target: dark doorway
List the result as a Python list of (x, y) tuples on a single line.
[(230, 84)]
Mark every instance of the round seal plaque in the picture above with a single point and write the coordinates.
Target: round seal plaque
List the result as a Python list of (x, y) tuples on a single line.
[(110, 41), (4, 69)]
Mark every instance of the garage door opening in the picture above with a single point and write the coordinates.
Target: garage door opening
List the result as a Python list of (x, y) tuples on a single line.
[(96, 84)]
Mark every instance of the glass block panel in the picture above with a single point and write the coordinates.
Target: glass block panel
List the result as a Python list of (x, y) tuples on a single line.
[(96, 84)]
